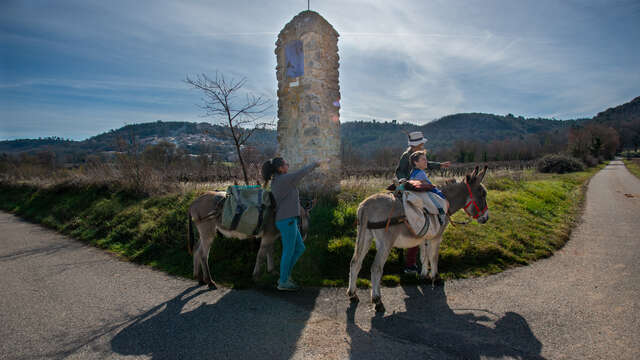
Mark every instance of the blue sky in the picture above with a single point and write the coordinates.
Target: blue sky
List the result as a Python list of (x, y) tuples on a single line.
[(75, 69)]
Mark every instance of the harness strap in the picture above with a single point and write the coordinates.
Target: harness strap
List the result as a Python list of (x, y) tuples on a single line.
[(425, 227), (240, 208), (386, 223), (236, 217), (386, 228), (471, 201)]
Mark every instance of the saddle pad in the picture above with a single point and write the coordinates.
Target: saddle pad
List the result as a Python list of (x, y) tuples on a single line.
[(426, 200), (422, 213)]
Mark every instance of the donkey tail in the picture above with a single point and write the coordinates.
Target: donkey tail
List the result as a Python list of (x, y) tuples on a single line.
[(361, 226), (359, 252), (190, 239)]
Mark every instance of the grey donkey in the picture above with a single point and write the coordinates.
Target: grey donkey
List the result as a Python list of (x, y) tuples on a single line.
[(469, 195), (206, 213)]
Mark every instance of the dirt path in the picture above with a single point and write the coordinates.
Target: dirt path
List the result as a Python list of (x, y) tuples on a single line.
[(63, 299)]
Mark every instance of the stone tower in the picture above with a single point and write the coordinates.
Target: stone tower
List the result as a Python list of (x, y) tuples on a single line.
[(309, 98)]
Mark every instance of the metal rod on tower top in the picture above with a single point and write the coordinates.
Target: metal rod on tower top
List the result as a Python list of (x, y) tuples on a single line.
[(308, 6)]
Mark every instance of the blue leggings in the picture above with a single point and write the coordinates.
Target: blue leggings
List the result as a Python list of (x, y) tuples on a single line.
[(292, 246)]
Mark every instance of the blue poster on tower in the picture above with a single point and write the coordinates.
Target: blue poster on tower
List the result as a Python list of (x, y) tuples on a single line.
[(294, 58)]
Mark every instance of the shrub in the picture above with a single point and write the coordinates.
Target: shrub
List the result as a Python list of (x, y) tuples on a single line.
[(560, 164), (591, 161)]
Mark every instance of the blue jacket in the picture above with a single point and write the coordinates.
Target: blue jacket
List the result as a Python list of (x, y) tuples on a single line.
[(418, 174)]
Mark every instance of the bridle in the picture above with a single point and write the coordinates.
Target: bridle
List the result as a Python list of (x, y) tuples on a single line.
[(471, 201)]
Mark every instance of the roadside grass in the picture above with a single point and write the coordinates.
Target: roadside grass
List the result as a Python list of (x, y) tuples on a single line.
[(531, 216), (633, 166)]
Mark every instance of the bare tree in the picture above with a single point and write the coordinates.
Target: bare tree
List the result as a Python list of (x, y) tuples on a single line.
[(223, 101)]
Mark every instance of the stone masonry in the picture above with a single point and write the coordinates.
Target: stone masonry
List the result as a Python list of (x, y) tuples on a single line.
[(309, 98)]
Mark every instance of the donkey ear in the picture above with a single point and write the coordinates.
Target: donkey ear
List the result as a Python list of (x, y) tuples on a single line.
[(484, 172)]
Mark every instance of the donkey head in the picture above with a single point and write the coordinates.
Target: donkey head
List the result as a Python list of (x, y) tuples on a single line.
[(476, 204), (305, 216)]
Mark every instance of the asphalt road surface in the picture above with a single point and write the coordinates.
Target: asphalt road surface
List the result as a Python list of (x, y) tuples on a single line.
[(62, 299)]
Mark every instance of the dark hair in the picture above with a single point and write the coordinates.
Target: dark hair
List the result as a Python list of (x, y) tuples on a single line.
[(416, 156), (270, 167)]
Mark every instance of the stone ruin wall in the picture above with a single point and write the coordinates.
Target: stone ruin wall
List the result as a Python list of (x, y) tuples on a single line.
[(308, 105)]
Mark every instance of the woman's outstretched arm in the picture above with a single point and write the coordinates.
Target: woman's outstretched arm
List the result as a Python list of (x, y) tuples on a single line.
[(293, 178)]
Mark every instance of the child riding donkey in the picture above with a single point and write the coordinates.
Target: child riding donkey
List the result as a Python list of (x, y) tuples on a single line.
[(407, 170)]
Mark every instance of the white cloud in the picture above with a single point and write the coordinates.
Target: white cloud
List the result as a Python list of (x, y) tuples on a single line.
[(405, 60)]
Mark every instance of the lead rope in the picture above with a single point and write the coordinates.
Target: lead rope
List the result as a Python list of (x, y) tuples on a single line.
[(454, 223)]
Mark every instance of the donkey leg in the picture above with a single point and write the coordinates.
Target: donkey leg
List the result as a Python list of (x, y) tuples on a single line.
[(384, 249), (197, 268), (208, 235), (363, 243), (271, 269), (434, 251), (260, 258), (257, 269), (424, 259)]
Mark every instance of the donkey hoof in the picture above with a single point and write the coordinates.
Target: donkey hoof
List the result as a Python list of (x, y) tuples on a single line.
[(436, 281), (212, 286), (201, 282), (379, 307), (353, 297)]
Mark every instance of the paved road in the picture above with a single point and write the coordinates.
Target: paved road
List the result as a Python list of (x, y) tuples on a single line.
[(62, 299)]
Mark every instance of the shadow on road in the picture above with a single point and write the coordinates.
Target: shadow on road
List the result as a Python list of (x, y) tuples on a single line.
[(44, 250), (446, 332), (241, 324)]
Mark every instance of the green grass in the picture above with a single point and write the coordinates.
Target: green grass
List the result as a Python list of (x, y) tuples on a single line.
[(633, 166), (530, 218)]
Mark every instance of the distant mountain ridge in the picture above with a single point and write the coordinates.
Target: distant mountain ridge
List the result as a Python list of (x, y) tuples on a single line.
[(626, 112), (625, 119), (195, 138), (359, 136), (444, 132)]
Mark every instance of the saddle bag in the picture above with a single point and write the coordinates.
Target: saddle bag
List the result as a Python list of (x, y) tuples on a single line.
[(425, 212), (244, 207)]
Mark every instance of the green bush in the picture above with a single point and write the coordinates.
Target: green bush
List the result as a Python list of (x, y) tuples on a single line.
[(591, 161), (559, 164)]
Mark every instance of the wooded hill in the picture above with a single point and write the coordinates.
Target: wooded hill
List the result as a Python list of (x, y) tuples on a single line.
[(361, 136), (443, 133), (626, 120), (357, 137)]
